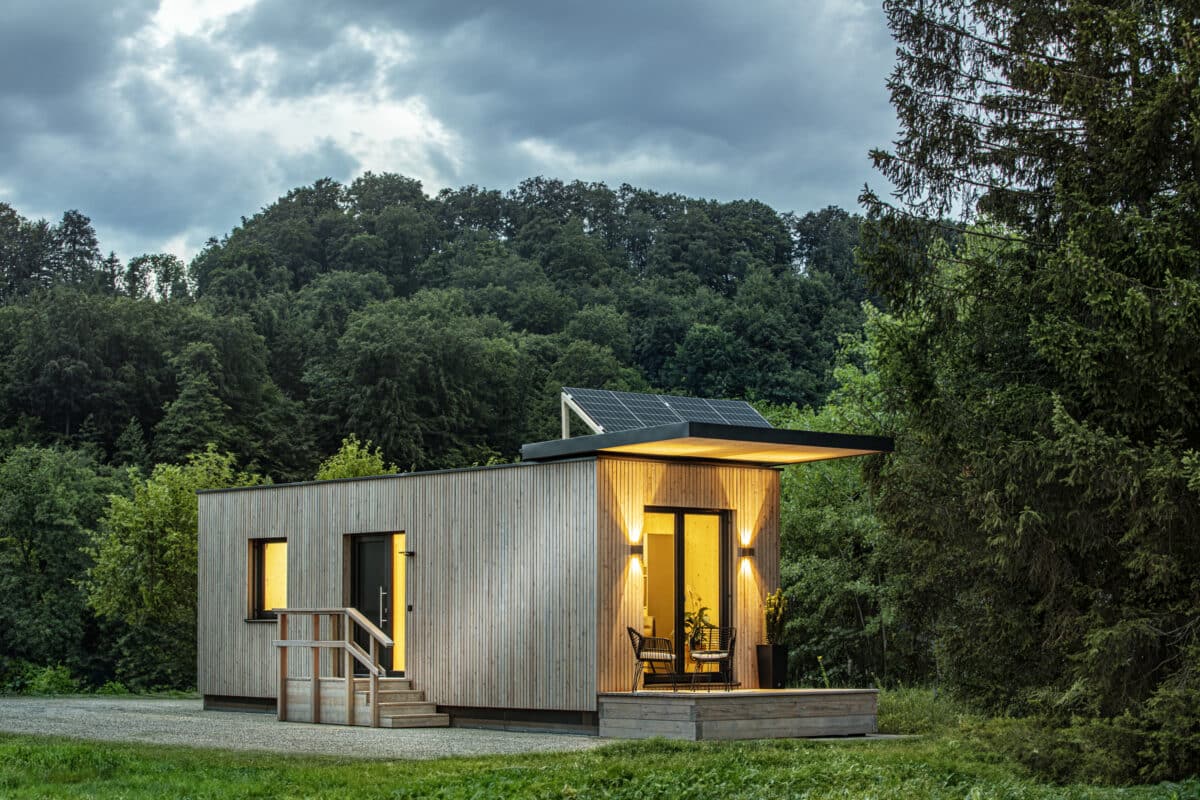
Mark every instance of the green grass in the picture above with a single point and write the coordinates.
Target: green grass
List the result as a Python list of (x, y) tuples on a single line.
[(937, 766), (910, 710)]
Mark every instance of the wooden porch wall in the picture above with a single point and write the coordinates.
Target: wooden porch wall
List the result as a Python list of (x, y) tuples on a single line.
[(503, 576), (625, 487)]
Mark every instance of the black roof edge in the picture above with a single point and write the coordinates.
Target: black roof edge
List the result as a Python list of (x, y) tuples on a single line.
[(585, 445)]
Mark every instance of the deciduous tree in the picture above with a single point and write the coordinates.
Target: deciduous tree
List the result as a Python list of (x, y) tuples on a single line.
[(145, 570)]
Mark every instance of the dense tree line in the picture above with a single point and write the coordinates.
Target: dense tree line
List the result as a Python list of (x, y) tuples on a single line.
[(439, 329), (1041, 372)]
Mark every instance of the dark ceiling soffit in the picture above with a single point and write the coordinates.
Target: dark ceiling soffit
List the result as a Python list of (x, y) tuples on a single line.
[(579, 445)]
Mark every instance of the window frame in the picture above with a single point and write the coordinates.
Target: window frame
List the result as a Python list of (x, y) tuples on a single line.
[(255, 610)]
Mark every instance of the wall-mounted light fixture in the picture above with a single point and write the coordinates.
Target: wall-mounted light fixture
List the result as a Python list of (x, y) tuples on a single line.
[(637, 549), (745, 552)]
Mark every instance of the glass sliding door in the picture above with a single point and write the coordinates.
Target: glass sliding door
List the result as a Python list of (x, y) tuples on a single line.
[(686, 570)]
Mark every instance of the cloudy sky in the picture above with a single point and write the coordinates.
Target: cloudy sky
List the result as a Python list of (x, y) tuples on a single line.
[(166, 121)]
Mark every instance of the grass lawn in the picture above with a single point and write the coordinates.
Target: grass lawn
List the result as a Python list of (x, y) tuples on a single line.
[(937, 766), (947, 761)]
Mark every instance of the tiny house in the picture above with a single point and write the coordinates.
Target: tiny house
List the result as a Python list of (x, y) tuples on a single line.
[(505, 595)]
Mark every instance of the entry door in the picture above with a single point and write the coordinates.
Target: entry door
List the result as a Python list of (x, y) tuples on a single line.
[(377, 572), (687, 574)]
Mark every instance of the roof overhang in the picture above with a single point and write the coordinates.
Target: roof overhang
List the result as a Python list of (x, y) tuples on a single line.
[(712, 442)]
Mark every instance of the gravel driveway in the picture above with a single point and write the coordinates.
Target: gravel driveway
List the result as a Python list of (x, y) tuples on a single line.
[(183, 722)]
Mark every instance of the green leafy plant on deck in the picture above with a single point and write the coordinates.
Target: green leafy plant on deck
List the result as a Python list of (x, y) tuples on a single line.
[(695, 619), (774, 616)]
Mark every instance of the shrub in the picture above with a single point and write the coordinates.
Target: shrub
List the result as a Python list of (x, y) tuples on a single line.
[(55, 679), (14, 675), (113, 688)]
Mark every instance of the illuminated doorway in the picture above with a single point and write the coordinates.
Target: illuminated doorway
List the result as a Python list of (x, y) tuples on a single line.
[(377, 590), (687, 575)]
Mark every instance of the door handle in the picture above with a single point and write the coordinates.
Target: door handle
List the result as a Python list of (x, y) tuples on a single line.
[(382, 607)]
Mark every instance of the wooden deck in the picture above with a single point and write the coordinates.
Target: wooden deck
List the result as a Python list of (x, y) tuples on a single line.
[(739, 714)]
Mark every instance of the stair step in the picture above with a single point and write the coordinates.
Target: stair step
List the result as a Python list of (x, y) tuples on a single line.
[(400, 696), (407, 709), (364, 684), (399, 704), (415, 721)]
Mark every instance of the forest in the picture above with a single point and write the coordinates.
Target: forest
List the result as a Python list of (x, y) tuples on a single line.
[(436, 330), (1020, 312)]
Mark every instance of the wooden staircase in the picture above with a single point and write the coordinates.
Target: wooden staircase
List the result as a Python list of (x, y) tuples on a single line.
[(400, 705), (341, 698)]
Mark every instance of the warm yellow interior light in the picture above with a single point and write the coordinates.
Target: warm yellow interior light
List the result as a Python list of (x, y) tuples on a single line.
[(659, 569), (274, 566), (399, 607), (702, 564)]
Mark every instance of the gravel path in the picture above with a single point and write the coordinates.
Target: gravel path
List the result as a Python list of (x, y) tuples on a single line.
[(184, 722)]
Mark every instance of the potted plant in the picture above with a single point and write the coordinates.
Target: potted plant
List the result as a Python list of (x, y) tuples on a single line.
[(695, 619), (694, 623), (773, 656)]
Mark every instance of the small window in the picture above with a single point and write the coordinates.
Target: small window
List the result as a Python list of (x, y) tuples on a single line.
[(270, 577)]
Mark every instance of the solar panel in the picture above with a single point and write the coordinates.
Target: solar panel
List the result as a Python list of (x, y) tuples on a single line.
[(696, 409), (624, 411), (605, 409), (737, 412), (650, 410)]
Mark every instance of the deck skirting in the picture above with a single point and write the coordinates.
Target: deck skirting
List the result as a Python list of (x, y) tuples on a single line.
[(744, 714)]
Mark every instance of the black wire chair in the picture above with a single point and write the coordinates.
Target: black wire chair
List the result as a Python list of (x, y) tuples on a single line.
[(714, 646), (652, 650)]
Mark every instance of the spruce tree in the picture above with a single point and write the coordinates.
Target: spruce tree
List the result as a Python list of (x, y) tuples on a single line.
[(1047, 366)]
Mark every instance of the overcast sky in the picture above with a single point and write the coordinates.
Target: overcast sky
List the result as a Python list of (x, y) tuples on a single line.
[(167, 121)]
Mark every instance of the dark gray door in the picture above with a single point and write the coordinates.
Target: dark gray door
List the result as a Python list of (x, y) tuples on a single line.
[(371, 586)]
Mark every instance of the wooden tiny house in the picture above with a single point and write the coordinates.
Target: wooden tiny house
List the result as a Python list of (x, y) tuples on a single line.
[(496, 595)]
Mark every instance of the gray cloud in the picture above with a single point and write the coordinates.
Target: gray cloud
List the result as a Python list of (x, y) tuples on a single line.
[(55, 47), (778, 101)]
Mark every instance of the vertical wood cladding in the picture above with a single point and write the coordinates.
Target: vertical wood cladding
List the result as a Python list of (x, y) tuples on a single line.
[(501, 583), (625, 487), (521, 585)]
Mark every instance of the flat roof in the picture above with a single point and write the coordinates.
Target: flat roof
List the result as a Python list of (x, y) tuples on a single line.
[(388, 476), (711, 441)]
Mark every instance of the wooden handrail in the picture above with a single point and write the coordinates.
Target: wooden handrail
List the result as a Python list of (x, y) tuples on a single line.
[(370, 627), (345, 643), (361, 657), (352, 613)]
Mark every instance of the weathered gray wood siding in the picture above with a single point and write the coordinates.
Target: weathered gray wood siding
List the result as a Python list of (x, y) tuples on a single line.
[(625, 487), (503, 583)]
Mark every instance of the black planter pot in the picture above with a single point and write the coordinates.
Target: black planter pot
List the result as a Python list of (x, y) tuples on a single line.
[(772, 666)]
